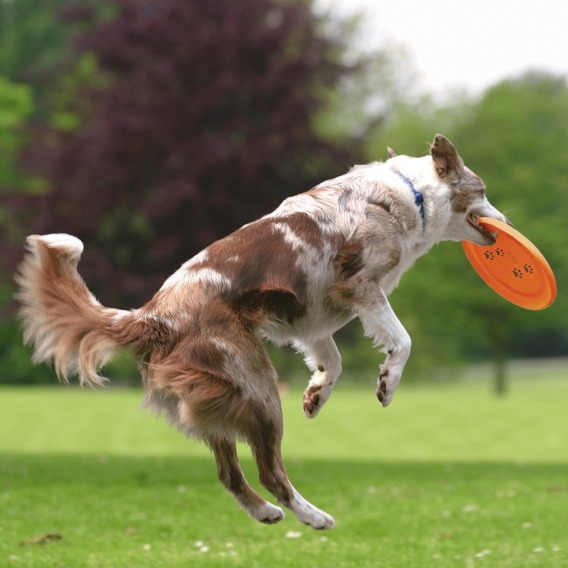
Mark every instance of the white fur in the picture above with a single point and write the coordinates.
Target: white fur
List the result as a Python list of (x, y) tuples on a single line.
[(187, 277)]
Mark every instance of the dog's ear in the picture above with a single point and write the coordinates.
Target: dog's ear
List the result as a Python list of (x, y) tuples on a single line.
[(448, 162), (391, 153)]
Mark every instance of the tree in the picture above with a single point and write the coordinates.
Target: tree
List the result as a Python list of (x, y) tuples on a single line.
[(514, 137), (36, 37), (35, 46), (195, 118), (15, 107), (524, 122)]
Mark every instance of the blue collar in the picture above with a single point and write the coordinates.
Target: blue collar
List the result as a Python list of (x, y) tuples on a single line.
[(418, 199)]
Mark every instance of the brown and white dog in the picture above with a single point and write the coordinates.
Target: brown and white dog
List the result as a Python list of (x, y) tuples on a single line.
[(294, 277)]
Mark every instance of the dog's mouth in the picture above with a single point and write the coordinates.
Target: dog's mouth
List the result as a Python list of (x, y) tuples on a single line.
[(490, 237)]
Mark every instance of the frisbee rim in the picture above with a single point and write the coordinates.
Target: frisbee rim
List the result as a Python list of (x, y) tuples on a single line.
[(523, 249)]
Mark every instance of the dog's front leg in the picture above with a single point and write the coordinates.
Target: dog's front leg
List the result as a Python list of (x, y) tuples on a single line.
[(323, 358), (380, 323)]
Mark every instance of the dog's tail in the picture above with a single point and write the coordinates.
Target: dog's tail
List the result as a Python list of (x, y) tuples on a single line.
[(62, 319)]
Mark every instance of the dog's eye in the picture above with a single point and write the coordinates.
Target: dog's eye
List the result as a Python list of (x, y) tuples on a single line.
[(477, 192)]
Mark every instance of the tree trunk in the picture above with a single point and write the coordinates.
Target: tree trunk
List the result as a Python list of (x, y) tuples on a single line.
[(501, 382)]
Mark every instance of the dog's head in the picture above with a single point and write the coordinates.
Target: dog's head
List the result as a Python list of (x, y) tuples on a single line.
[(456, 182), (468, 200)]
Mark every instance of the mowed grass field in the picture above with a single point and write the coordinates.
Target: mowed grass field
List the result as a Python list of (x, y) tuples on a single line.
[(445, 477)]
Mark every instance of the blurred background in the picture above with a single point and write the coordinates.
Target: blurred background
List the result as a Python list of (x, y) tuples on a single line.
[(149, 128)]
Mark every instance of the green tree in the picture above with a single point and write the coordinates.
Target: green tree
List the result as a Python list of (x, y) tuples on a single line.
[(15, 107), (515, 137), (518, 136), (35, 36)]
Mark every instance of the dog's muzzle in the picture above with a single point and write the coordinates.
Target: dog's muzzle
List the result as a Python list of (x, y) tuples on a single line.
[(490, 237)]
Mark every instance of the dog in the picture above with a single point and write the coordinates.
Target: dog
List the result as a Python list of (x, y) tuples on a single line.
[(295, 276)]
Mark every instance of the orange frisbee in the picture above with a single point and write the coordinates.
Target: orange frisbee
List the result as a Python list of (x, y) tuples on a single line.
[(513, 267)]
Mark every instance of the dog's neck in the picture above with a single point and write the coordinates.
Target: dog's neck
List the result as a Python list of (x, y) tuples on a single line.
[(418, 198)]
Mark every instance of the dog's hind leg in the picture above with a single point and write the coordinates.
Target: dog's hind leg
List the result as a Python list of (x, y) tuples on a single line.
[(324, 360), (232, 477), (211, 407), (239, 401), (265, 439)]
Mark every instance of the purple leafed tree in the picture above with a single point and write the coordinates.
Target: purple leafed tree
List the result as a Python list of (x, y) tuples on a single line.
[(203, 123)]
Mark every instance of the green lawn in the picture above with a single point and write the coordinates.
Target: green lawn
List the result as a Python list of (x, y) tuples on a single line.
[(446, 476)]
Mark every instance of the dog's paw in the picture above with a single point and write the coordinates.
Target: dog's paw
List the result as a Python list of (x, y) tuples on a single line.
[(322, 521), (312, 401), (383, 395), (309, 514), (268, 514), (316, 519), (385, 390)]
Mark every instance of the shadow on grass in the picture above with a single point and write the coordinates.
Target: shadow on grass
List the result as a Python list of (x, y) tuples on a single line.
[(112, 510), (101, 470)]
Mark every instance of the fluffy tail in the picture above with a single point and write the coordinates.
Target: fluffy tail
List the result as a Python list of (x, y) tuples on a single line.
[(61, 318)]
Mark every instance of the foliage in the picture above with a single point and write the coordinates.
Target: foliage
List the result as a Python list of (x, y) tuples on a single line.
[(36, 38), (35, 46), (168, 139), (362, 102), (15, 107), (515, 138), (15, 360), (30, 39)]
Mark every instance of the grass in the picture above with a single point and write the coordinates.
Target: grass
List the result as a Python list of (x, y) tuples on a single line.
[(446, 476)]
